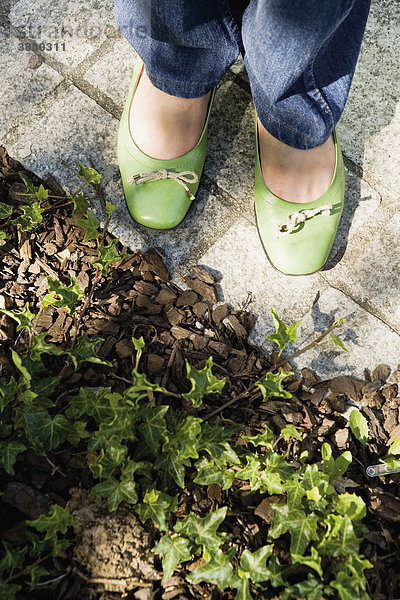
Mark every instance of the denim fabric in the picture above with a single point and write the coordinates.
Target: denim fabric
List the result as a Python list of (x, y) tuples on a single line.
[(300, 55)]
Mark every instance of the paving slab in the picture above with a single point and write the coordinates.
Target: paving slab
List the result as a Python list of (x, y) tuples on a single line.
[(374, 279), (370, 126), (369, 341), (74, 129), (103, 74), (23, 88), (240, 262), (78, 27)]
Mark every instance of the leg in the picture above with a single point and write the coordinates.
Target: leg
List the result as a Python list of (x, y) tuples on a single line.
[(301, 59), (186, 46)]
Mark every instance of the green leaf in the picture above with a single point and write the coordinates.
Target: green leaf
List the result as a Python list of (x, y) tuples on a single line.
[(271, 385), (153, 429), (209, 472), (157, 506), (302, 527), (31, 217), (18, 363), (350, 580), (41, 193), (338, 342), (88, 173), (251, 472), (310, 589), (29, 185), (290, 431), (262, 439), (5, 210), (68, 296), (254, 563), (90, 224), (110, 207), (203, 530), (43, 432), (39, 346), (351, 505), (203, 382), (36, 572), (56, 522), (24, 318), (8, 590), (84, 351), (359, 426), (109, 459), (174, 549), (8, 392), (214, 439), (81, 206), (116, 492), (334, 468), (395, 447), (242, 585), (339, 539), (218, 570), (3, 236), (108, 256), (8, 454), (295, 493), (313, 561), (284, 333)]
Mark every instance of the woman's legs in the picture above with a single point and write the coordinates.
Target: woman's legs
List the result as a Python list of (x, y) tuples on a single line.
[(187, 46), (301, 57)]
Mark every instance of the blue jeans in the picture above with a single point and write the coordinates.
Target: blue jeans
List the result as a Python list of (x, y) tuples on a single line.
[(300, 55)]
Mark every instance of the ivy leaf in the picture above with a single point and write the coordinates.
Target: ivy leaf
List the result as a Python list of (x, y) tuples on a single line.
[(88, 173), (284, 333), (109, 459), (39, 346), (24, 318), (23, 370), (90, 224), (276, 571), (313, 561), (68, 296), (242, 587), (338, 342), (203, 530), (108, 256), (251, 472), (35, 572), (209, 472), (254, 563), (339, 539), (8, 392), (174, 549), (262, 439), (84, 351), (41, 193), (157, 506), (359, 426), (8, 454), (218, 570), (203, 382), (180, 445), (350, 579), (43, 432), (153, 429), (56, 522), (271, 385), (395, 447), (290, 431), (302, 527), (334, 468), (351, 505), (5, 210), (116, 492), (310, 589), (214, 438), (81, 206), (295, 493), (4, 236), (8, 590), (142, 385), (31, 217), (110, 207)]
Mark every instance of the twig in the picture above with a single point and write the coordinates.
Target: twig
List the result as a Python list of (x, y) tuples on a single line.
[(25, 571)]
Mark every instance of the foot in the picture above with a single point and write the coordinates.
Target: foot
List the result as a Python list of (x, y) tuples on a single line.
[(163, 126), (296, 175)]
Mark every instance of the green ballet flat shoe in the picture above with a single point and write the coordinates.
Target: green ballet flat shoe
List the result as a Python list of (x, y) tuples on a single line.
[(158, 193), (298, 238)]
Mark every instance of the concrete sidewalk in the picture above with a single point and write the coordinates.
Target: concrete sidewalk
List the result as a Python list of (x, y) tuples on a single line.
[(64, 102)]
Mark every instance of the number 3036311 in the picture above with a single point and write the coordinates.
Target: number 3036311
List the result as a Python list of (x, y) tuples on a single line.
[(43, 46)]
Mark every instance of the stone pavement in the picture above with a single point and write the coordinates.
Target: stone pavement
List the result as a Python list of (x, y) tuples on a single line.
[(67, 106)]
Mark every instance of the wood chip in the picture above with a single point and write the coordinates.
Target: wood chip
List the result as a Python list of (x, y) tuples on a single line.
[(203, 275), (206, 291)]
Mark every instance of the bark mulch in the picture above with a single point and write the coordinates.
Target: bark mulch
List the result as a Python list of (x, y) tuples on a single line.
[(139, 299)]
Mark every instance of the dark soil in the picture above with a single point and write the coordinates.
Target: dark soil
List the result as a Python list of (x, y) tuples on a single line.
[(138, 298)]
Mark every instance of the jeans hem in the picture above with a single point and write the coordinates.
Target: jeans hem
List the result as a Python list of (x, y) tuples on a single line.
[(180, 89)]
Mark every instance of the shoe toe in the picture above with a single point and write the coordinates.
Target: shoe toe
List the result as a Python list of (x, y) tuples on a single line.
[(157, 204)]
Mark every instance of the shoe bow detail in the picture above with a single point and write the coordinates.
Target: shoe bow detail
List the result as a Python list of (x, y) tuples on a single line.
[(182, 178), (300, 216)]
